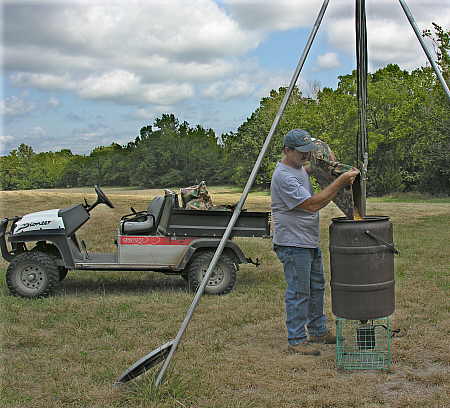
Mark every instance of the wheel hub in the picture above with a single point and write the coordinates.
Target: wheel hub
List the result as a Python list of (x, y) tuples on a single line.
[(32, 277), (216, 277)]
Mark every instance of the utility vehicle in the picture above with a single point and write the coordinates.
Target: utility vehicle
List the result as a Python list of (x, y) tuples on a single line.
[(41, 247)]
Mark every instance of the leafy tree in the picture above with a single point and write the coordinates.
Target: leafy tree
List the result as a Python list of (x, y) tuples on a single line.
[(10, 171), (75, 172), (171, 153), (23, 175), (441, 41)]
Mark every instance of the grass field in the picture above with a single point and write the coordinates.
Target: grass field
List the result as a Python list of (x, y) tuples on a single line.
[(67, 350)]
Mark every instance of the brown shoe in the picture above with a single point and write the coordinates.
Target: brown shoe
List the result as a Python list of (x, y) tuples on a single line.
[(326, 338), (304, 348)]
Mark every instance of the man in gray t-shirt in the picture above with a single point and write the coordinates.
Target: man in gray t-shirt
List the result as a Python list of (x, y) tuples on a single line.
[(296, 241)]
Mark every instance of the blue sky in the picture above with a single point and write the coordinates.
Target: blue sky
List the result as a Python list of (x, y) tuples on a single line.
[(78, 74)]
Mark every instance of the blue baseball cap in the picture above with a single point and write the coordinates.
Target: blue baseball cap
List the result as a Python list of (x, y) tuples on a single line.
[(299, 140)]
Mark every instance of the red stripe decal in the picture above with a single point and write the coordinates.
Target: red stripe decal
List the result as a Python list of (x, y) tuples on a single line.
[(136, 240)]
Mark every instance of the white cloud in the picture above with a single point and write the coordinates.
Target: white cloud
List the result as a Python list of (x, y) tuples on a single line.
[(328, 60), (15, 106), (152, 52), (225, 90), (167, 93), (390, 37), (30, 136), (117, 85), (90, 135), (267, 15), (188, 38), (5, 144), (37, 132), (97, 134), (43, 81), (93, 133), (53, 102), (112, 84), (153, 112), (214, 90), (6, 138), (161, 45)]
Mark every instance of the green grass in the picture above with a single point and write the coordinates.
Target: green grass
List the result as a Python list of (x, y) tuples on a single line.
[(410, 198), (425, 249), (69, 349)]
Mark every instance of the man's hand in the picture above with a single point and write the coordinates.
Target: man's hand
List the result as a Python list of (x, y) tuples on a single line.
[(349, 176), (321, 199)]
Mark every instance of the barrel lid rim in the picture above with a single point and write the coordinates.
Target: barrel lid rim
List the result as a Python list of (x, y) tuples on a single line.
[(368, 218)]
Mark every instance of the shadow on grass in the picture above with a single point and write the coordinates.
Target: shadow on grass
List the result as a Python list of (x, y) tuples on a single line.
[(113, 285)]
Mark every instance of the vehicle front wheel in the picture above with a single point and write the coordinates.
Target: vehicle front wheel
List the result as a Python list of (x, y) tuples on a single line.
[(32, 274), (221, 281), (62, 272)]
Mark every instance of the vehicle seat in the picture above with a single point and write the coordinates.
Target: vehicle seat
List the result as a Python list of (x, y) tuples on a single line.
[(146, 224)]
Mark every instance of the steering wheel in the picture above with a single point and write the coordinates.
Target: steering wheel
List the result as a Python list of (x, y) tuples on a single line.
[(101, 197)]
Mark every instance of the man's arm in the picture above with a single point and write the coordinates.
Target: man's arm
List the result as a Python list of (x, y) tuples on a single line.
[(321, 199)]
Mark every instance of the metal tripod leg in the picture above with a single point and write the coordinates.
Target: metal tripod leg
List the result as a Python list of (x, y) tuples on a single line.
[(243, 196), (361, 140), (424, 46)]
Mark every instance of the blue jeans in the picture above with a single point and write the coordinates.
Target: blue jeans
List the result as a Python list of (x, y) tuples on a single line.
[(303, 270)]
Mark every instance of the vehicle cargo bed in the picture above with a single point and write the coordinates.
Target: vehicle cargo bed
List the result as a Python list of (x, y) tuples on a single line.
[(213, 223)]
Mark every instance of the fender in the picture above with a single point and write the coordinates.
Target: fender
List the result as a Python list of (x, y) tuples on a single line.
[(230, 247), (5, 252), (56, 237)]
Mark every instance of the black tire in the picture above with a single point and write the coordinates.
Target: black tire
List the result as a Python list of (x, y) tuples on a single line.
[(62, 272), (53, 251), (223, 278), (32, 274)]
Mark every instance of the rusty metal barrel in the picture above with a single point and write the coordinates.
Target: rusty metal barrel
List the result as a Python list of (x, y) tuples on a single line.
[(362, 268)]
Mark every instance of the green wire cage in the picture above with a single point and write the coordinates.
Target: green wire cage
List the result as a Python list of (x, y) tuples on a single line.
[(363, 345)]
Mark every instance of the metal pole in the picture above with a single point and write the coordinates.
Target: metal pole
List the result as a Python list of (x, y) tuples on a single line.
[(244, 195), (424, 46), (361, 68)]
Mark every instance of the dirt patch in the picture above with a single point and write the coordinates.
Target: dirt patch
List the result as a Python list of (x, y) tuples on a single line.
[(422, 386)]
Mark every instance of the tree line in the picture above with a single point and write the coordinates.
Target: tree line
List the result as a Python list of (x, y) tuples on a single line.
[(408, 127), (169, 153)]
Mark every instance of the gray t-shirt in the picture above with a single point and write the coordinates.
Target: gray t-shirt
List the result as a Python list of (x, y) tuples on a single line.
[(293, 226)]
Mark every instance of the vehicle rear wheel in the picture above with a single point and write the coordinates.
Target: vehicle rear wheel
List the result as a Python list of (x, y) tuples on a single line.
[(222, 279), (32, 274)]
